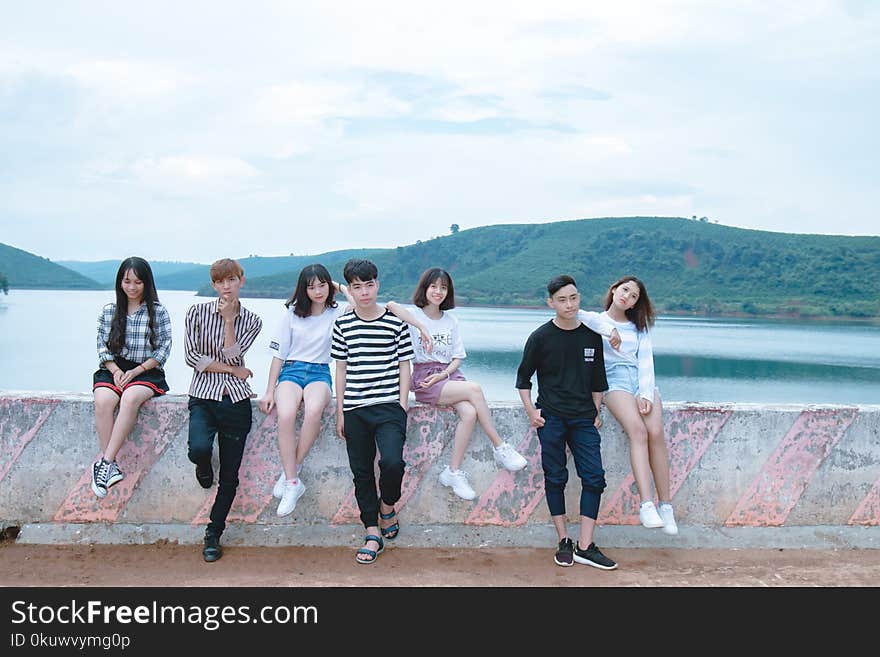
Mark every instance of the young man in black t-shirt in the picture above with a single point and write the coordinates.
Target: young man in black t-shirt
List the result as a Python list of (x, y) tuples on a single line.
[(571, 379)]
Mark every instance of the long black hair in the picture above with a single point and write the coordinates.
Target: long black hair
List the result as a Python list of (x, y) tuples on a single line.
[(141, 269), (302, 305)]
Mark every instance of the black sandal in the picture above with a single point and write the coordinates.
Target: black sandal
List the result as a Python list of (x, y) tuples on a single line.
[(373, 554), (391, 531)]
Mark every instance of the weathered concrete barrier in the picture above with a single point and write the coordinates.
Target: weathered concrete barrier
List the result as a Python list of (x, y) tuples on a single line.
[(743, 475)]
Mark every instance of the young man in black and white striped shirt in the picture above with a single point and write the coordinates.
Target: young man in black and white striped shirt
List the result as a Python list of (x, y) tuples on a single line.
[(373, 350), (218, 334)]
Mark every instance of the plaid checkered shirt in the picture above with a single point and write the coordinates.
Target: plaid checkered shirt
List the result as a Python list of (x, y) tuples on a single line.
[(137, 335)]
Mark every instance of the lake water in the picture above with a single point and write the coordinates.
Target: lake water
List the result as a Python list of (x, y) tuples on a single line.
[(47, 343)]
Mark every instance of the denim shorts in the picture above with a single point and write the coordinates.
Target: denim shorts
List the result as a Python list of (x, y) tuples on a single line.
[(623, 377), (302, 373)]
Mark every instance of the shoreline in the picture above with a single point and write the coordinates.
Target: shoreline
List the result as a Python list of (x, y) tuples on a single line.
[(661, 314)]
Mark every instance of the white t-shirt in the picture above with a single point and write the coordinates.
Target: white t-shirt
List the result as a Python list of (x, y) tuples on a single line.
[(305, 338), (444, 332), (635, 350)]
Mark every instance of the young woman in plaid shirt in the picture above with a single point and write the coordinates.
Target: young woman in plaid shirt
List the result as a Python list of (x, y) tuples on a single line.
[(134, 340)]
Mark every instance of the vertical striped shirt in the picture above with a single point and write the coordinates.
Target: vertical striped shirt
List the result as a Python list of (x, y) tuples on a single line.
[(137, 347), (373, 350), (204, 342)]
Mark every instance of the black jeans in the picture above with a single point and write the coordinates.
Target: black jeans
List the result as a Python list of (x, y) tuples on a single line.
[(231, 423), (366, 428)]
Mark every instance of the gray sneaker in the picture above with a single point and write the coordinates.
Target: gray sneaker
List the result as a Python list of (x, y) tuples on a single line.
[(592, 556), (564, 553), (114, 474)]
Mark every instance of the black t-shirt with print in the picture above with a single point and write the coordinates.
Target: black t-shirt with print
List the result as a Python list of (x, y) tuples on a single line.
[(570, 367)]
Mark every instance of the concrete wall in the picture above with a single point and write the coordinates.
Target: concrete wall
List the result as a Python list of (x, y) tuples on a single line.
[(742, 476)]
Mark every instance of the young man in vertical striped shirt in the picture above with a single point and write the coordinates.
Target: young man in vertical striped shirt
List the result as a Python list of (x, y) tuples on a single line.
[(218, 334), (373, 350)]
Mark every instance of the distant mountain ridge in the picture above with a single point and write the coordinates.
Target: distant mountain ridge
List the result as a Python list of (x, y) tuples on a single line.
[(690, 267), (104, 271)]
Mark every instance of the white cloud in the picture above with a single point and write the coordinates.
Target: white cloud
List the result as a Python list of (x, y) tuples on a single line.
[(338, 114), (193, 174)]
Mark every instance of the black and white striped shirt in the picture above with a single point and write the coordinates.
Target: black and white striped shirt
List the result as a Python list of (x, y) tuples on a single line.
[(204, 344), (137, 346), (373, 350)]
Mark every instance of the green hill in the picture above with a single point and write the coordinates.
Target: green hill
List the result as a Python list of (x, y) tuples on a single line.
[(25, 270), (690, 267)]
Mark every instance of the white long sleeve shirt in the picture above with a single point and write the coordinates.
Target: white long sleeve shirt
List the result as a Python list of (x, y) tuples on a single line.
[(597, 322), (636, 350)]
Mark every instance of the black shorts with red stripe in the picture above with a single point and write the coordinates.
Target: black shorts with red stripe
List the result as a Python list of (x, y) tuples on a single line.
[(154, 379)]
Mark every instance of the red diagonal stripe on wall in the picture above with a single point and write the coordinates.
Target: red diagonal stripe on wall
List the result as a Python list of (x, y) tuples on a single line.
[(157, 425), (513, 496), (426, 428), (20, 420), (689, 432), (256, 477), (785, 475), (868, 511)]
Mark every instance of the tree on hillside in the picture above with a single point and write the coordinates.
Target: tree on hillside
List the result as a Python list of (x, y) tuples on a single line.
[(454, 228), (4, 283)]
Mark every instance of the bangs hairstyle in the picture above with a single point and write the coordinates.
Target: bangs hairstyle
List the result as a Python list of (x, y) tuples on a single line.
[(642, 314), (224, 268), (362, 270), (299, 300), (141, 269), (420, 296)]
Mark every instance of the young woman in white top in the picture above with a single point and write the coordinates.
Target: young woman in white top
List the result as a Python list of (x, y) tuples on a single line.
[(437, 379), (300, 373), (634, 400)]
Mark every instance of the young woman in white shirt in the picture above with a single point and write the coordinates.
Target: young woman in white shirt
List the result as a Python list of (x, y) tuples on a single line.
[(634, 400), (300, 373), (437, 379)]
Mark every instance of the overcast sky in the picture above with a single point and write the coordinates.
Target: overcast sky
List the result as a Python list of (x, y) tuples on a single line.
[(198, 130)]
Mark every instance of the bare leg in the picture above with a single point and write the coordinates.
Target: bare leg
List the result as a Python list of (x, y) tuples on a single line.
[(106, 402), (467, 419), (129, 405), (458, 391), (657, 450), (624, 408), (586, 536), (288, 395), (559, 522), (316, 396)]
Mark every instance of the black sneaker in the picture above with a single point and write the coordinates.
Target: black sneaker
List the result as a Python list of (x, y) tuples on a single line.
[(205, 475), (564, 553), (100, 471), (114, 474), (212, 550), (592, 556)]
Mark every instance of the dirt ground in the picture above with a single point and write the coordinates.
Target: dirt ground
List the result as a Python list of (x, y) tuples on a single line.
[(177, 565)]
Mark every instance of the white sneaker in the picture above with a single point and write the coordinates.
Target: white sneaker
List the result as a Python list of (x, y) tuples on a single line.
[(290, 496), (649, 516), (668, 517), (278, 490), (508, 458), (457, 479)]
